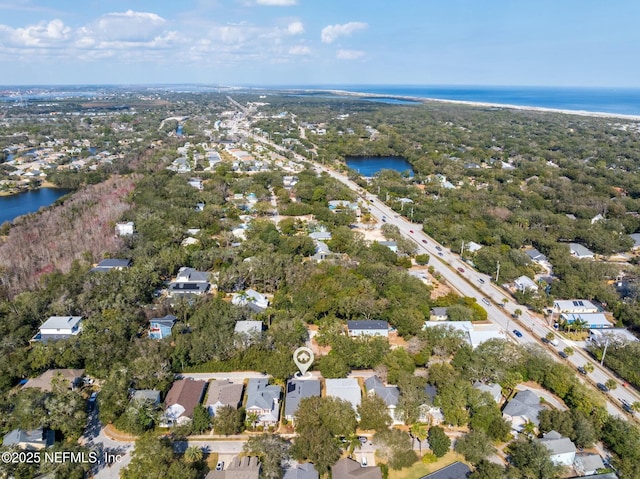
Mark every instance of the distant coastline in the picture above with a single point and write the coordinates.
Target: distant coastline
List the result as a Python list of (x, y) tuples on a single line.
[(618, 100)]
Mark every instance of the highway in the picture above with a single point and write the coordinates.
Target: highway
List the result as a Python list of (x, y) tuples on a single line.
[(479, 286), (446, 263)]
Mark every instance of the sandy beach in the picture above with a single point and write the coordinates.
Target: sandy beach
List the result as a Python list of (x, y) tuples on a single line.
[(594, 114)]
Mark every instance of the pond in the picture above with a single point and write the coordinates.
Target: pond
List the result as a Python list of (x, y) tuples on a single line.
[(28, 202), (370, 165)]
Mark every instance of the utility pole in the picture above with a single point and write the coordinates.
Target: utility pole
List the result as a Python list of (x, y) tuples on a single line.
[(497, 272), (412, 213), (604, 353), (462, 250), (387, 197)]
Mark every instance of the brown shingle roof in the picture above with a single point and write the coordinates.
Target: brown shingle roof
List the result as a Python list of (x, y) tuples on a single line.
[(347, 468), (187, 393), (225, 392)]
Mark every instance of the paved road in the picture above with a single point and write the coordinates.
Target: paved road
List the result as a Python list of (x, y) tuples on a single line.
[(477, 285)]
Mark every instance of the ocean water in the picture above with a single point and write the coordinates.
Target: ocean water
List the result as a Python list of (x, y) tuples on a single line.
[(625, 101)]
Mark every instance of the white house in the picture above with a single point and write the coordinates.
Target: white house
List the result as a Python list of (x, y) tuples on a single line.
[(588, 464), (574, 306), (563, 451), (252, 299), (125, 229), (347, 389), (580, 252), (264, 400), (390, 395), (368, 328), (524, 284), (59, 327), (590, 320)]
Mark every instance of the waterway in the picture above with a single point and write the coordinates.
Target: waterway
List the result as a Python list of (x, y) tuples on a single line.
[(370, 165), (28, 202)]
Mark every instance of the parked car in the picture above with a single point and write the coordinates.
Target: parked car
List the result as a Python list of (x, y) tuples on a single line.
[(486, 301), (220, 466), (517, 333), (626, 407), (602, 388), (362, 439), (563, 355), (440, 254), (544, 340), (582, 370), (438, 248)]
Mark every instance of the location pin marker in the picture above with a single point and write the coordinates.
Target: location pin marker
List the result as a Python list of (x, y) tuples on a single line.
[(303, 357)]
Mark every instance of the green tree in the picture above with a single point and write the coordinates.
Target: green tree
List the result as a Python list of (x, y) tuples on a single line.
[(475, 446), (193, 454), (530, 459), (201, 421), (373, 413), (272, 450), (488, 470), (611, 384), (394, 447), (228, 420), (439, 442), (153, 458)]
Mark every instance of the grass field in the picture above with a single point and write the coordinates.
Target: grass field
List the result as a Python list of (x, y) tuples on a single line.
[(419, 469)]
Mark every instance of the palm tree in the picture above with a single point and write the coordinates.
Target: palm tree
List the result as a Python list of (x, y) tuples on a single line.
[(568, 350), (252, 419), (193, 454), (529, 429), (353, 443), (588, 367), (419, 431), (611, 384), (517, 313), (636, 405)]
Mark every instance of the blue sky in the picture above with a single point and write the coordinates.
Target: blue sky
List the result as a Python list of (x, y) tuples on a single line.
[(321, 42)]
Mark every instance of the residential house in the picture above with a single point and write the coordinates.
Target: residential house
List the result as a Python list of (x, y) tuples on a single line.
[(111, 264), (575, 306), (429, 413), (253, 300), (368, 328), (322, 251), (439, 314), (146, 395), (457, 470), (182, 398), (472, 246), (563, 451), (493, 389), (347, 468), (320, 235), (32, 440), (298, 389), (160, 328), (223, 393), (524, 284), (390, 395), (196, 183), (248, 331), (523, 408), (189, 282), (580, 252), (264, 400), (484, 332), (125, 229), (301, 471), (347, 389), (342, 205), (71, 378), (535, 255), (245, 467), (588, 464), (59, 327), (588, 320)]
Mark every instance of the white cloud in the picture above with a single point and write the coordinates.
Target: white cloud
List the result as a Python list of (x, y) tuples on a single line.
[(128, 27), (299, 50), (332, 32), (349, 54), (41, 35), (295, 28), (277, 3)]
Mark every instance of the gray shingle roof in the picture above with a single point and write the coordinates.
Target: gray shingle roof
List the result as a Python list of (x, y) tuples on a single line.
[(457, 470), (370, 325), (390, 394), (525, 404), (297, 390)]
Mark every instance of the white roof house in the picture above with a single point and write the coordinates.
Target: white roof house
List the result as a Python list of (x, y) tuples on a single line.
[(125, 229), (563, 451), (579, 251), (636, 240), (59, 327), (347, 389), (575, 306), (252, 299), (524, 283)]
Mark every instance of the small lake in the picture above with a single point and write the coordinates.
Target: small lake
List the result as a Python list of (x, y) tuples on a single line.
[(370, 165), (28, 202)]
